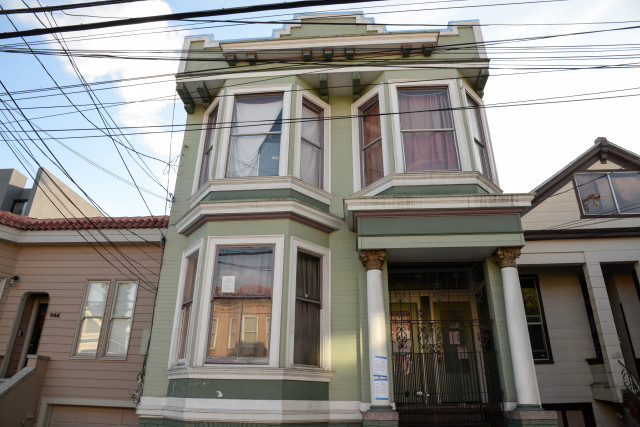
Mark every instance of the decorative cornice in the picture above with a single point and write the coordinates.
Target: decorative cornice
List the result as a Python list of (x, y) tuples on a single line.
[(103, 223), (372, 259), (506, 257)]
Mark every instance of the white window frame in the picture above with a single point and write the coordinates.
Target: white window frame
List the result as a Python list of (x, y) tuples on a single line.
[(232, 332), (355, 134), (213, 242), (214, 331), (177, 316), (203, 135), (227, 117), (458, 120), (81, 317), (325, 313), (108, 327), (485, 128), (302, 96), (244, 329)]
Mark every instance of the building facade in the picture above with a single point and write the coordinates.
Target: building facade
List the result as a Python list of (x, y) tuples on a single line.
[(339, 250), (76, 303), (579, 272)]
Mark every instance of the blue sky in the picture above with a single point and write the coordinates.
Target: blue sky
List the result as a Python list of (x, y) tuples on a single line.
[(530, 142)]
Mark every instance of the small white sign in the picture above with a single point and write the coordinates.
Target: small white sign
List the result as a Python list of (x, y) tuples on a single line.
[(228, 284), (381, 389), (380, 366)]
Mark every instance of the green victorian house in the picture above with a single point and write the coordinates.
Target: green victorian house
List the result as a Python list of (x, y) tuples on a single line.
[(339, 250)]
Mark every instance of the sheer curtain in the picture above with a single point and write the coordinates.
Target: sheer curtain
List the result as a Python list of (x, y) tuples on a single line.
[(311, 147), (427, 130), (254, 121)]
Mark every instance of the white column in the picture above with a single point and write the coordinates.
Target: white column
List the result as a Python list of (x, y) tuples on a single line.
[(378, 355), (524, 371)]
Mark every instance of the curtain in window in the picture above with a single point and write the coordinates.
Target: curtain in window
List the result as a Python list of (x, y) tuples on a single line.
[(371, 143), (427, 130), (311, 147), (254, 148), (307, 329)]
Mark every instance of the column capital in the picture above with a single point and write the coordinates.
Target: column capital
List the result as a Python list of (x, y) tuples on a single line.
[(506, 257), (372, 259)]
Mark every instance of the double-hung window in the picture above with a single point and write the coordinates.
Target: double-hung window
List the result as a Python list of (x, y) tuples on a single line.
[(207, 150), (91, 319), (256, 134), (241, 304), (121, 319), (609, 193), (427, 128), (370, 142), (307, 311), (187, 302), (479, 137), (312, 145), (535, 318)]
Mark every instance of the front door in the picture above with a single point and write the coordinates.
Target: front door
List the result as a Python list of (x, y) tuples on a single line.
[(444, 368)]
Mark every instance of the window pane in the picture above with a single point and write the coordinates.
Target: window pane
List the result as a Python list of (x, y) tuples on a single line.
[(257, 114), (189, 282), (89, 336), (425, 109), (595, 193), (535, 319), (96, 299), (429, 151), (307, 334), (226, 312), (370, 122), (119, 337), (372, 158), (311, 164), (308, 277), (626, 186), (244, 271), (214, 334), (208, 145), (125, 298), (184, 329), (312, 125), (254, 339)]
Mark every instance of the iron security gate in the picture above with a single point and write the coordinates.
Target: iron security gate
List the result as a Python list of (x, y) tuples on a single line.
[(444, 364)]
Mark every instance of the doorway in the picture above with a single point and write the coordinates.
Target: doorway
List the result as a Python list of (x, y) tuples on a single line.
[(27, 332), (444, 362)]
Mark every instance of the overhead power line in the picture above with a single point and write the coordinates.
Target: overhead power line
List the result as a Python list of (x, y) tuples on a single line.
[(179, 17), (65, 6)]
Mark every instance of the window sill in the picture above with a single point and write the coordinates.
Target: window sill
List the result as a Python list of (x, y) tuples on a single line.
[(218, 372)]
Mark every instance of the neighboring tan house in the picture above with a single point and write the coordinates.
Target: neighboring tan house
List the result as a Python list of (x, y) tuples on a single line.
[(579, 274), (76, 304), (340, 251), (47, 198)]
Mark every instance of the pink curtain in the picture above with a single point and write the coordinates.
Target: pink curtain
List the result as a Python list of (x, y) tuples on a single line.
[(427, 125)]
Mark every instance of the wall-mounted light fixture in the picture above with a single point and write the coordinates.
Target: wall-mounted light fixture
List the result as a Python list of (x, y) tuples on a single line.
[(12, 280)]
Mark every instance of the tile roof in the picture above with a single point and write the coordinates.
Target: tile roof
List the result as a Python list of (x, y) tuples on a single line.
[(36, 224)]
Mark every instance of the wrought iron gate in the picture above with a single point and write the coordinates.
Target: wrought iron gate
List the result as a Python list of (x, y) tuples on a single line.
[(444, 364)]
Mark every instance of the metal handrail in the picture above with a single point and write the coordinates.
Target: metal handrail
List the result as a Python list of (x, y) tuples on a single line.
[(630, 381)]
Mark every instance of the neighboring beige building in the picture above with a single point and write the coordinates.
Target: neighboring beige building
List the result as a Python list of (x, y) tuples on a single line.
[(76, 304), (47, 198), (579, 274)]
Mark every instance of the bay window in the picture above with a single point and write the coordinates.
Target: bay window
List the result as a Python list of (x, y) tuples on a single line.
[(371, 156), (241, 304), (609, 193), (427, 128), (256, 134)]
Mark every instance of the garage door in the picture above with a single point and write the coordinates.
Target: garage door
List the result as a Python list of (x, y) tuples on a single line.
[(64, 416)]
